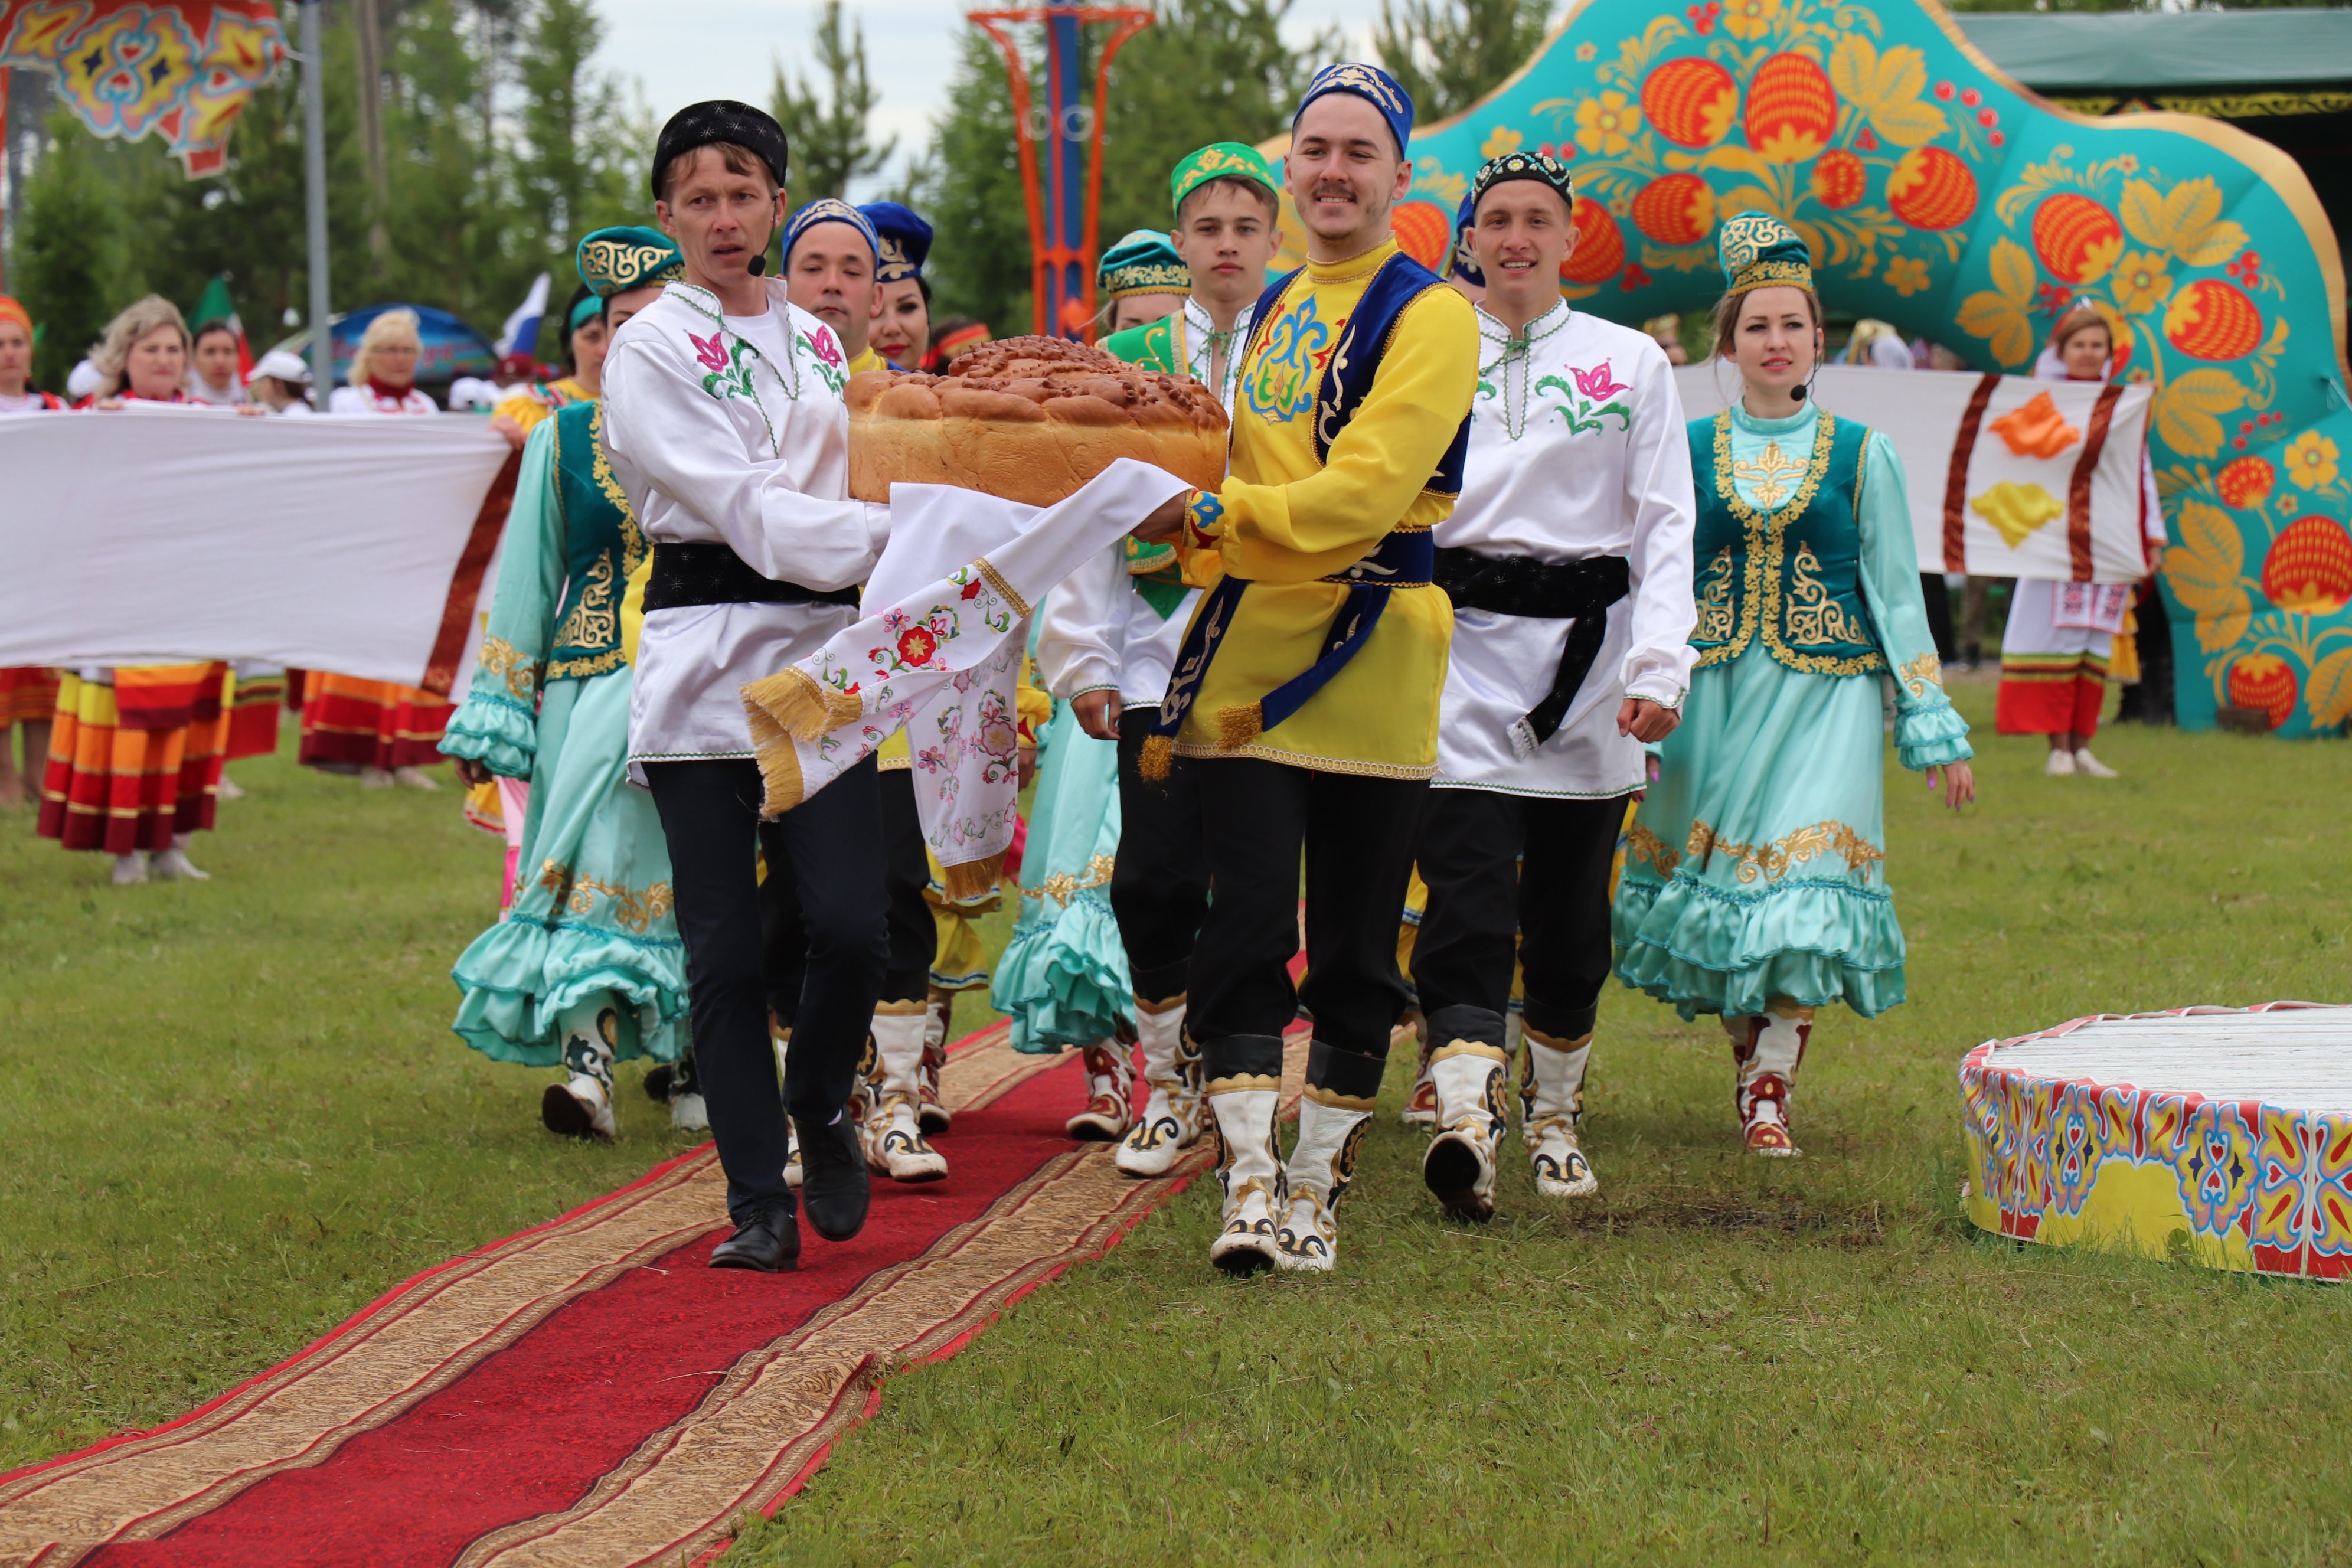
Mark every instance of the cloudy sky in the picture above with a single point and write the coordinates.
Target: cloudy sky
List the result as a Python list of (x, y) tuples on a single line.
[(681, 51)]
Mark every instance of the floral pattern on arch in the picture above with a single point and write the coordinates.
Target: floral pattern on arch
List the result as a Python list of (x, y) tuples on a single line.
[(1937, 195)]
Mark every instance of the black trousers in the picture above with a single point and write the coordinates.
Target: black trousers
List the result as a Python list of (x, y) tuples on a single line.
[(914, 935), (1499, 864), (1358, 835), (830, 846), (1159, 883)]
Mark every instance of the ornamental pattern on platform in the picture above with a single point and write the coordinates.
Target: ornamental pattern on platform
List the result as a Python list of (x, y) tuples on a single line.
[(2238, 1184)]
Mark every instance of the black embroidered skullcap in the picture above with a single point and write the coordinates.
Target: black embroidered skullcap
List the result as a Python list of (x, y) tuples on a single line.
[(720, 120), (1540, 167)]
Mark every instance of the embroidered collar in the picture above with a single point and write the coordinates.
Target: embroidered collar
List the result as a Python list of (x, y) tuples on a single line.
[(1198, 341), (705, 303), (1508, 374)]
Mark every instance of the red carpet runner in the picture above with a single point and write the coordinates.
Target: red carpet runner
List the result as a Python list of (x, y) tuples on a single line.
[(587, 1393)]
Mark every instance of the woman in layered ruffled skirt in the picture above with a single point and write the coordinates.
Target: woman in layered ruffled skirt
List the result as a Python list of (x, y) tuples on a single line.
[(1754, 883), (586, 968)]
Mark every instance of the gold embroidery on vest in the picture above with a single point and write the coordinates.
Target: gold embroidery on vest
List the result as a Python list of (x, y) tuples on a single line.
[(1764, 536), (1816, 619), (1716, 621), (596, 619)]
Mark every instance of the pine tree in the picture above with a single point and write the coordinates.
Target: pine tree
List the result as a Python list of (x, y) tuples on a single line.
[(830, 143), (1448, 54)]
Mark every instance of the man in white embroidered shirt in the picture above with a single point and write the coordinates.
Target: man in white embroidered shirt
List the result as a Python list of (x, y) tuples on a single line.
[(724, 420), (1569, 561)]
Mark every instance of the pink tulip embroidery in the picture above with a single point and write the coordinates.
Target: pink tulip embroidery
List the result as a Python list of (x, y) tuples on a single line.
[(1594, 395), (728, 375), (827, 355)]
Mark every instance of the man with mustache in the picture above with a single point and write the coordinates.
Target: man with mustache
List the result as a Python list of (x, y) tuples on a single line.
[(1568, 563), (1305, 695), (725, 425)]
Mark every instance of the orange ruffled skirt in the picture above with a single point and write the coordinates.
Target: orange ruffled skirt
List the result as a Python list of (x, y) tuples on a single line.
[(134, 762), (349, 723)]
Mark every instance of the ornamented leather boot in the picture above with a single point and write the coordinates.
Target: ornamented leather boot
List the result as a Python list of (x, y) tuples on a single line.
[(1250, 1172), (1171, 1121), (933, 1113), (581, 1106), (1766, 1061), (1551, 1114), (892, 1128), (1321, 1165), (1110, 1082), (1467, 1073), (1421, 1102)]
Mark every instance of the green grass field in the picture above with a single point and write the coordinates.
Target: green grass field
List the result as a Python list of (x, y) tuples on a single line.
[(235, 1114)]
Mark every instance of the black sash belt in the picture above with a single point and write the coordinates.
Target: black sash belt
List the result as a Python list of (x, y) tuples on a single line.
[(688, 574), (1515, 585)]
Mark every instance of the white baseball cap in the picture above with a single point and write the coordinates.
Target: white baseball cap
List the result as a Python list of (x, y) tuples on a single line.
[(283, 363)]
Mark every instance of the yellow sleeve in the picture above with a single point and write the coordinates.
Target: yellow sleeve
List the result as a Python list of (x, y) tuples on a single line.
[(632, 607), (526, 409), (1033, 705), (1378, 467)]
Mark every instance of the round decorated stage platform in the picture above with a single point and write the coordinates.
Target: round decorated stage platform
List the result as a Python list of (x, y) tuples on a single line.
[(2216, 1135)]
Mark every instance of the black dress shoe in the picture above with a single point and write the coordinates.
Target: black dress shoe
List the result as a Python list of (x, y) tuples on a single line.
[(769, 1242), (834, 1186)]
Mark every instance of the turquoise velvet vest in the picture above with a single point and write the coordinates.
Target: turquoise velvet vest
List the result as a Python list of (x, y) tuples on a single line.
[(602, 546), (1788, 576)]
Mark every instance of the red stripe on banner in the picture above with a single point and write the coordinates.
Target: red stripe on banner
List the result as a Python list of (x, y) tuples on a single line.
[(2078, 490), (1956, 479), (529, 1429), (465, 583)]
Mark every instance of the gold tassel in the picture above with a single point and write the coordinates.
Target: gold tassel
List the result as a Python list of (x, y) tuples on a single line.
[(780, 764), (804, 706), (973, 879), (1240, 726), (1158, 751)]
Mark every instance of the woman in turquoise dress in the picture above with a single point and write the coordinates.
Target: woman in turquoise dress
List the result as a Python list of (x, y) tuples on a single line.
[(1064, 977), (587, 968), (1754, 882)]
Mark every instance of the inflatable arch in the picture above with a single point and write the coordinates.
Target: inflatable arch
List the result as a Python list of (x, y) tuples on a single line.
[(1944, 197)]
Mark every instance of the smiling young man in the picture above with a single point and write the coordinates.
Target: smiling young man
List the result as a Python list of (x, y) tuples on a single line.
[(831, 255), (1306, 693), (724, 420), (1108, 639), (1568, 563)]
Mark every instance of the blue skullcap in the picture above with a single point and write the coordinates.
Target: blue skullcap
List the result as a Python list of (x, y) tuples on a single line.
[(1142, 262), (1465, 260), (1371, 84), (829, 209), (906, 240)]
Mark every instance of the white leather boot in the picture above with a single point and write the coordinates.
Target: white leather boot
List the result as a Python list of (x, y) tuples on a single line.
[(1171, 1121), (1766, 1064), (1250, 1172), (581, 1106), (1551, 1114), (892, 1129), (1459, 1165), (1321, 1165)]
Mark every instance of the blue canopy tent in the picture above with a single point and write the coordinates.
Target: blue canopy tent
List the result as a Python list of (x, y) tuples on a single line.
[(451, 348)]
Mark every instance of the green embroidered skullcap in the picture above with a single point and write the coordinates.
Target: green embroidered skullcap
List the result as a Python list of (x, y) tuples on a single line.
[(1143, 263), (1217, 160), (1757, 248), (615, 260)]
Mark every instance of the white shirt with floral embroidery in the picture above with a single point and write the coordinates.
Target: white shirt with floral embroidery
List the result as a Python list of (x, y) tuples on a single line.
[(730, 430), (1577, 449)]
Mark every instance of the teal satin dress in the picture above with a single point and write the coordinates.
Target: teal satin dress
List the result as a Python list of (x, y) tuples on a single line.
[(593, 909), (1755, 866), (1064, 977)]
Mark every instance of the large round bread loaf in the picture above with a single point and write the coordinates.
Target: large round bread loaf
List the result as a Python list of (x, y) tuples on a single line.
[(1030, 419)]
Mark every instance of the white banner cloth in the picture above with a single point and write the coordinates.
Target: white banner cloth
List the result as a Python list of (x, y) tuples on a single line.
[(2023, 504), (941, 655), (153, 535)]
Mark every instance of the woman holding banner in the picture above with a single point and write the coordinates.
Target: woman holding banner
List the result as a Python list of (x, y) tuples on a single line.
[(135, 757), (384, 732)]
